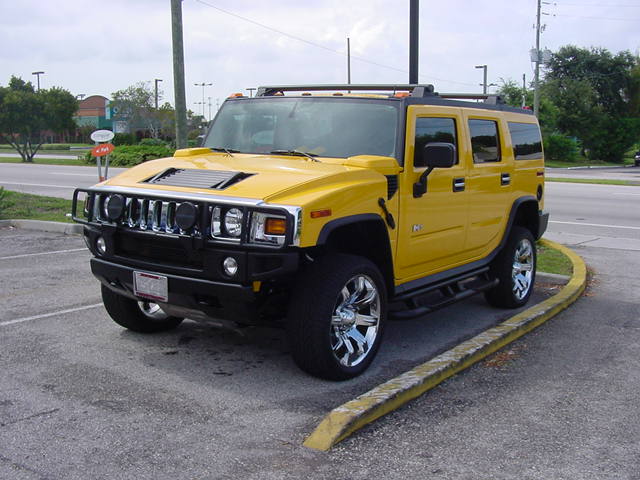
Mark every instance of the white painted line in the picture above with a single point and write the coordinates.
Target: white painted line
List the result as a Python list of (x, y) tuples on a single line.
[(595, 225), (37, 185), (634, 194), (46, 315), (24, 255), (76, 174)]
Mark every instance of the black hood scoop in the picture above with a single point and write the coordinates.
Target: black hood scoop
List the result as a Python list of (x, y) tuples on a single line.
[(195, 178)]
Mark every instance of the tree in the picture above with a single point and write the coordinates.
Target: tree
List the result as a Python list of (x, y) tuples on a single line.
[(596, 95), (25, 114), (136, 105)]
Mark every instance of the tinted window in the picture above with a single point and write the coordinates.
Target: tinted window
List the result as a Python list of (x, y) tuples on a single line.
[(322, 126), (526, 140), (434, 130), (484, 141)]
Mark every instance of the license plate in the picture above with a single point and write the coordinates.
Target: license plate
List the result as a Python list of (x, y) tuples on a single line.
[(153, 287)]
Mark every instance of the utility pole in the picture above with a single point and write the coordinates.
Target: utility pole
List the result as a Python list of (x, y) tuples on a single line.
[(37, 74), (178, 73), (209, 100), (156, 81), (484, 82), (203, 84), (348, 61), (536, 79), (414, 37), (524, 90)]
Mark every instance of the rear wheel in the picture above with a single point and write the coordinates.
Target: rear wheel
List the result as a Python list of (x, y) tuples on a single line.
[(515, 268), (336, 317), (139, 316)]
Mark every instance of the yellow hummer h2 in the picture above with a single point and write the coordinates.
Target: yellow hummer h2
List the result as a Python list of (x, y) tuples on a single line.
[(328, 210)]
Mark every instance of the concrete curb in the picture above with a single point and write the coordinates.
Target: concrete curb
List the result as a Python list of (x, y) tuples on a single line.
[(355, 414), (44, 226)]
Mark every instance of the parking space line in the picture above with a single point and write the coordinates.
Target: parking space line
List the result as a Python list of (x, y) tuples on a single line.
[(46, 315), (24, 255)]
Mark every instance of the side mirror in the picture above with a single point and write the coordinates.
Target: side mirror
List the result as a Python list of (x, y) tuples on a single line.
[(434, 155)]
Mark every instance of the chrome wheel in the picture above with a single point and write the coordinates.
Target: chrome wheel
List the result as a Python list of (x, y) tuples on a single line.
[(152, 311), (522, 270), (355, 321)]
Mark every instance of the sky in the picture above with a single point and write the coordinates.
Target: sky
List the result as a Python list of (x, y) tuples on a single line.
[(98, 47)]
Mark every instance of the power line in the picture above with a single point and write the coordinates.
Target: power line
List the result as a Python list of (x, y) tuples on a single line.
[(595, 18), (323, 47), (590, 5)]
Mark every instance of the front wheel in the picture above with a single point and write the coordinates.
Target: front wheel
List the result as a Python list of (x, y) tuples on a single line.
[(139, 316), (336, 317), (515, 269)]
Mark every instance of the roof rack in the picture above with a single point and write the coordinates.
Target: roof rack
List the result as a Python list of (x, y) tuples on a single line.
[(419, 91), (415, 89)]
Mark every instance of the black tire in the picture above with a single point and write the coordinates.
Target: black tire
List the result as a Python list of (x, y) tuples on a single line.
[(323, 321), (130, 314), (515, 269)]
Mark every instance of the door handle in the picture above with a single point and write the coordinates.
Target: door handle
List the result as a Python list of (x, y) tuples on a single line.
[(458, 184), (505, 179)]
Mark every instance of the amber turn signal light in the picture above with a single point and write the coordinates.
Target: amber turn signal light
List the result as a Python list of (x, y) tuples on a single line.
[(321, 213), (275, 226)]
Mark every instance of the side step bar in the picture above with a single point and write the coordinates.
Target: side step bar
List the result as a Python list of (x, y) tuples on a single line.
[(445, 294)]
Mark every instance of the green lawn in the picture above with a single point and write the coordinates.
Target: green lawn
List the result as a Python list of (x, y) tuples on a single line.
[(553, 261), (46, 161), (595, 181), (21, 206)]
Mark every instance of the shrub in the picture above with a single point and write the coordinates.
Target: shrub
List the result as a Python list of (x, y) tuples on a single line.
[(129, 155), (152, 142), (123, 139), (559, 147), (55, 146)]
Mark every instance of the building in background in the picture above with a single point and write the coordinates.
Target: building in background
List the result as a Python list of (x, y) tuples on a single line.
[(95, 111)]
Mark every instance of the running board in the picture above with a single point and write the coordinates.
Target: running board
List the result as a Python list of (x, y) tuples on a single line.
[(447, 294)]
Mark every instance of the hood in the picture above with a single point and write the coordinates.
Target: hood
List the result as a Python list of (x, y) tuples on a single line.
[(242, 175)]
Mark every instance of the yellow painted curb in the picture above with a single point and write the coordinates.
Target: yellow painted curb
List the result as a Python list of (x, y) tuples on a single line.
[(353, 415)]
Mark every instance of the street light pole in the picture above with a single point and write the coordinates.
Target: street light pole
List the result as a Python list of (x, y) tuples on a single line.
[(203, 84), (37, 74), (536, 78), (484, 83), (156, 81), (178, 73)]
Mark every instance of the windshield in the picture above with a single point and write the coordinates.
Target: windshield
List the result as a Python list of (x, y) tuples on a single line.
[(328, 127)]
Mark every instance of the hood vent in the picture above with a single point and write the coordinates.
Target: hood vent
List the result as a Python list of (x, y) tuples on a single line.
[(192, 178)]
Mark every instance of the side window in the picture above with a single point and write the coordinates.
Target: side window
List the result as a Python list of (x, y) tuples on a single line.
[(485, 142), (526, 140), (434, 129)]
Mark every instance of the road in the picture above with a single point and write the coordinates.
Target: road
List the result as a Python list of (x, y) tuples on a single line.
[(50, 180), (82, 398)]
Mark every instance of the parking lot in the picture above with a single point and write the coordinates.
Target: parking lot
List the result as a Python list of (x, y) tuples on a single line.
[(83, 398)]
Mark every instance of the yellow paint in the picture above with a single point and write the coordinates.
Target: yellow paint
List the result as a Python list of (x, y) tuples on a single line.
[(351, 416)]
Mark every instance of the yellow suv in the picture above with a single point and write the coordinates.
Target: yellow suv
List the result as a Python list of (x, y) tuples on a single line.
[(327, 211)]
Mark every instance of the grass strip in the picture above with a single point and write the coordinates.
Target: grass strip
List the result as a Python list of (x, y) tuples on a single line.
[(25, 206), (595, 181), (551, 260), (47, 161)]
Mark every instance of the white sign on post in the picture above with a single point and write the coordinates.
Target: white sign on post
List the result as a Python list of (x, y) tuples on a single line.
[(102, 135)]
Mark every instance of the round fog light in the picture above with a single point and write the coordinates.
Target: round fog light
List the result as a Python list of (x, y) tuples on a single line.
[(230, 266), (101, 245)]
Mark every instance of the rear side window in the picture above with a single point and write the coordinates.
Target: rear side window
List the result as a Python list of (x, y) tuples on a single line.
[(526, 140), (435, 129), (485, 142)]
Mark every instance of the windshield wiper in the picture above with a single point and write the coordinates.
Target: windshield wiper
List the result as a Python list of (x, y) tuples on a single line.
[(296, 153), (228, 151)]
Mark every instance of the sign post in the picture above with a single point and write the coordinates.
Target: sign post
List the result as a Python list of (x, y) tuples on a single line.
[(102, 149)]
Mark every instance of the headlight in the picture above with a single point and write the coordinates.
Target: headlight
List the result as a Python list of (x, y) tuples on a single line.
[(233, 222), (268, 229), (226, 223)]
